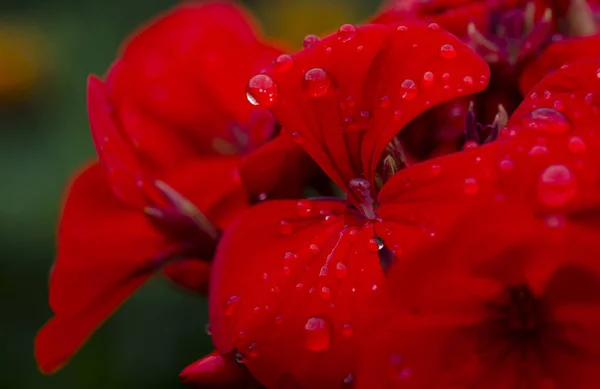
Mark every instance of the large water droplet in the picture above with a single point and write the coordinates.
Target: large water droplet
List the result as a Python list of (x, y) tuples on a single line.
[(408, 89), (318, 333), (548, 120), (434, 27), (556, 186), (231, 305), (325, 292), (346, 32), (447, 51), (309, 41), (283, 63), (262, 90), (316, 82)]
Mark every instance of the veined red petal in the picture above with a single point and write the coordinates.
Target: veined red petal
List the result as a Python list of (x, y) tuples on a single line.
[(187, 70), (105, 251), (556, 55), (344, 116)]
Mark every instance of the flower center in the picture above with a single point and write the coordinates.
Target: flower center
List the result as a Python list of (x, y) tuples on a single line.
[(477, 133), (518, 315)]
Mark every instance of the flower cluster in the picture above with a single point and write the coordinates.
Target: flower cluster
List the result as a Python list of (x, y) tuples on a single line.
[(409, 203)]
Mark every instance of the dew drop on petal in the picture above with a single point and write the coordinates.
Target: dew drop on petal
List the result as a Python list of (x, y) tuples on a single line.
[(556, 186), (470, 145), (346, 32), (262, 90), (231, 305), (558, 105), (434, 27), (347, 330), (435, 170), (447, 51), (506, 165), (304, 208), (576, 145), (385, 102), (252, 352), (290, 256), (446, 76), (316, 82), (325, 292), (341, 271), (283, 63), (589, 98), (402, 28), (468, 80), (471, 186), (548, 120), (408, 88), (318, 333), (428, 79), (309, 41), (285, 227), (286, 270), (538, 150), (373, 245), (555, 221)]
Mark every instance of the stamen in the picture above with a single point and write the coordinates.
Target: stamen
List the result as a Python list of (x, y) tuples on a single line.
[(186, 208), (362, 188)]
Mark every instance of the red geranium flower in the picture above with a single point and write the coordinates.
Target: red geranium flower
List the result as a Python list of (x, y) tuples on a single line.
[(509, 296), (291, 279), (170, 124)]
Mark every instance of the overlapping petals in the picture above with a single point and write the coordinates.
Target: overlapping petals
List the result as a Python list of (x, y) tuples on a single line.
[(510, 296), (299, 273)]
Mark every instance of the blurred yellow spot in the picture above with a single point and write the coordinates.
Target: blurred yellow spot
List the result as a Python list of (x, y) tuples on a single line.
[(292, 20), (21, 60)]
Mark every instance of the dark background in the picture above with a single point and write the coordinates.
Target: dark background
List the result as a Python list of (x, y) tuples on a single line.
[(47, 49)]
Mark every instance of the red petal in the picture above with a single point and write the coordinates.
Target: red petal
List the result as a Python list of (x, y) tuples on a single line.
[(292, 273), (114, 150), (192, 274), (187, 71), (346, 131), (280, 169), (216, 371), (105, 253), (556, 55)]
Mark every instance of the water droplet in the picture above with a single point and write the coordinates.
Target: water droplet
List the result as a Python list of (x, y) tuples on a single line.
[(262, 90), (434, 27), (447, 51), (283, 63), (446, 76), (598, 73), (231, 305), (589, 98), (310, 40), (286, 270), (397, 115), (558, 105), (252, 352), (471, 186), (341, 271), (348, 380), (290, 256), (468, 80), (316, 82), (547, 95), (385, 102), (374, 287), (314, 249), (470, 145), (279, 320), (549, 120), (506, 165), (207, 329), (328, 50), (318, 334), (428, 79), (435, 170), (555, 221), (538, 150), (408, 88), (262, 196), (556, 186), (304, 208), (346, 32), (347, 330), (325, 293), (275, 289), (577, 145), (402, 28), (373, 245), (285, 227)]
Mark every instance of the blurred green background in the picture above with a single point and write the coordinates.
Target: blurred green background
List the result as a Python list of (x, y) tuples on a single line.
[(47, 49)]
